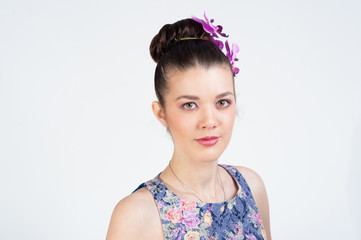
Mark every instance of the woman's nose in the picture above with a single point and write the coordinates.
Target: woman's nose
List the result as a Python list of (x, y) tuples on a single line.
[(208, 118)]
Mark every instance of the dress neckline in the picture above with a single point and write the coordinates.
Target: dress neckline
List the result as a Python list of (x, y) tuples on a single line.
[(233, 199)]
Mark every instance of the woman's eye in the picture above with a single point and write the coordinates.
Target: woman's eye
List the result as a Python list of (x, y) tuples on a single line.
[(190, 105), (223, 103)]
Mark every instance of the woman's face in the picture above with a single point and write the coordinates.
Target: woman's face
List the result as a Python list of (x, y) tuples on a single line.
[(200, 109)]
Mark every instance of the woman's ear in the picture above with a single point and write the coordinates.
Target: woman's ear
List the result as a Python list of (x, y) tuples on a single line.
[(159, 113)]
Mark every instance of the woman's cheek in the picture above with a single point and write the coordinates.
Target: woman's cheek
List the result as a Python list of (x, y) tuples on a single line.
[(180, 122)]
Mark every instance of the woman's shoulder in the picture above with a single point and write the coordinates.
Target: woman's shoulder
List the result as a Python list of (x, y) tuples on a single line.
[(136, 202), (259, 193), (255, 183), (252, 178), (132, 213)]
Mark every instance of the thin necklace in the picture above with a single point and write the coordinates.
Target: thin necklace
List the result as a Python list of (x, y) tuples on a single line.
[(224, 193), (191, 190)]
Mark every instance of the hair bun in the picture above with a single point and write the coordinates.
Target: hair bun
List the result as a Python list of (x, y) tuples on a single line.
[(161, 43), (169, 34)]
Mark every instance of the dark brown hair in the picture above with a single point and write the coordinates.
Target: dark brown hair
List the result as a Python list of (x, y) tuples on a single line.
[(171, 53)]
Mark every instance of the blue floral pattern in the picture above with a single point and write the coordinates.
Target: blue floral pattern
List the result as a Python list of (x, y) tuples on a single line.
[(237, 218)]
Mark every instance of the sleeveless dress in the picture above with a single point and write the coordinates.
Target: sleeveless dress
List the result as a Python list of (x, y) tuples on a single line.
[(237, 218)]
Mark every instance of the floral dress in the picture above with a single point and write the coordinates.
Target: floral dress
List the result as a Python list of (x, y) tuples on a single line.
[(237, 218)]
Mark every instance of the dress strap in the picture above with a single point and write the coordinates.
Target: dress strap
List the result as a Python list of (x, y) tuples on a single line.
[(240, 180), (139, 187), (154, 185)]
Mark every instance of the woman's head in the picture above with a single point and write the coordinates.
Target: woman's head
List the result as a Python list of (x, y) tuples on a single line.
[(181, 46), (195, 87), (200, 104)]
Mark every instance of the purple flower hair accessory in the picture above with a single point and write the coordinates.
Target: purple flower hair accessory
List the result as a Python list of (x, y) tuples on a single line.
[(215, 32), (231, 55)]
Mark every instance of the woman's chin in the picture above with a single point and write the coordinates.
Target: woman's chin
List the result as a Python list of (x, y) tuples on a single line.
[(207, 156)]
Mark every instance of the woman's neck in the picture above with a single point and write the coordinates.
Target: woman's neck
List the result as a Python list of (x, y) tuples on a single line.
[(202, 177)]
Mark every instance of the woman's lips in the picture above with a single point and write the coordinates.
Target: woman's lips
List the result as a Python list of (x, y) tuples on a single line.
[(208, 141)]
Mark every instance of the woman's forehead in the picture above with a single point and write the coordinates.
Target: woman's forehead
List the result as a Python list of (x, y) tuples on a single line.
[(200, 80)]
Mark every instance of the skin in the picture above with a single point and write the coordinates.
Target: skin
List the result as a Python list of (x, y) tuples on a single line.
[(200, 102)]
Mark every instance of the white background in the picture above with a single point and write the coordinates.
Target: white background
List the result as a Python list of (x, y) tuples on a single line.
[(77, 133)]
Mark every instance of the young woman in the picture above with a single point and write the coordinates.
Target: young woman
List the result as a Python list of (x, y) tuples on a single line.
[(194, 197)]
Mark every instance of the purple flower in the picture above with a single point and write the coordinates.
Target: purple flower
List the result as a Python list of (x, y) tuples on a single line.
[(250, 236), (219, 43), (256, 218), (215, 32), (207, 25), (177, 233), (219, 31), (231, 55), (190, 220)]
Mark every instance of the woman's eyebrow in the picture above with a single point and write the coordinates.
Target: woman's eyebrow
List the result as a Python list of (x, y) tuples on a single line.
[(224, 94), (191, 97)]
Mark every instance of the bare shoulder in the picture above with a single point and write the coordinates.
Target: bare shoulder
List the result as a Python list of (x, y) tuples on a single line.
[(259, 193), (132, 213), (254, 181)]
